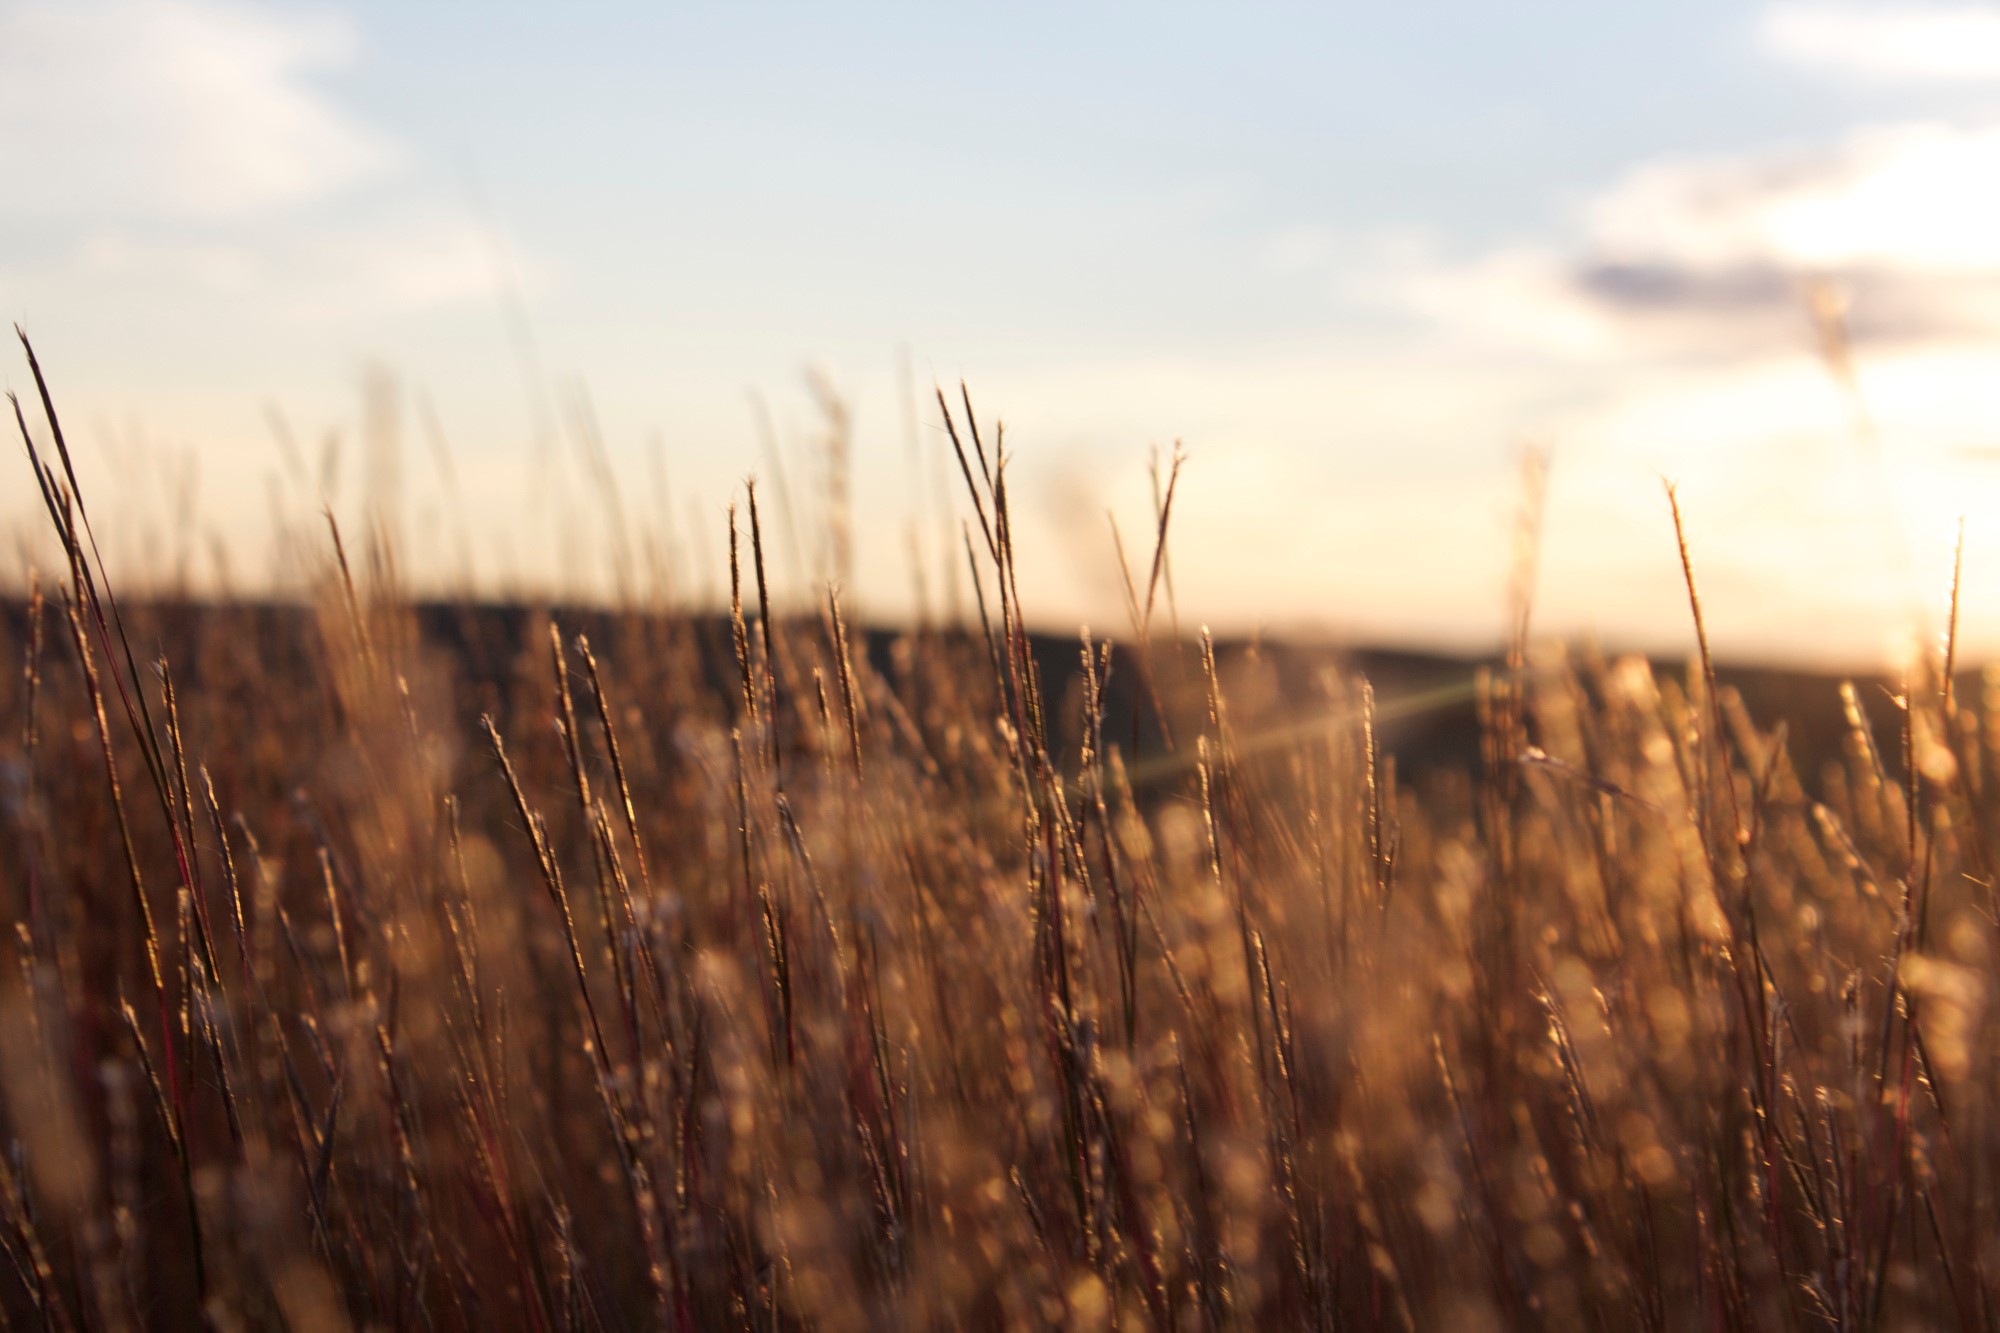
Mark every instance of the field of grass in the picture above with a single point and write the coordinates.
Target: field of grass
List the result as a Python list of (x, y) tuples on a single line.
[(640, 969)]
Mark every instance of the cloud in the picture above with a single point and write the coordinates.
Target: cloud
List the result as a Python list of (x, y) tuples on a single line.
[(1923, 198), (172, 109), (1713, 256), (1674, 311), (306, 273), (158, 153), (1881, 42)]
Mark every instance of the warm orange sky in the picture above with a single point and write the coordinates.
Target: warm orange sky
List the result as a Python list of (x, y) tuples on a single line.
[(1353, 256)]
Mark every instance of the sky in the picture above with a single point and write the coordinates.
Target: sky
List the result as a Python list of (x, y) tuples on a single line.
[(526, 282)]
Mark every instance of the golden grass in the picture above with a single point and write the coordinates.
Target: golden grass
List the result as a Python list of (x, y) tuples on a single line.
[(712, 975)]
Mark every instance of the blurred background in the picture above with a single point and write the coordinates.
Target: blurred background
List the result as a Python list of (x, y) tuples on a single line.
[(536, 287)]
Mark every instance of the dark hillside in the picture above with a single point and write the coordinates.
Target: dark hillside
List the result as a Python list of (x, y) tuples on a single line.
[(1426, 710)]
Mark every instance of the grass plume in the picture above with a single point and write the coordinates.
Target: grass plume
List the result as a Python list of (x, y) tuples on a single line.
[(638, 968)]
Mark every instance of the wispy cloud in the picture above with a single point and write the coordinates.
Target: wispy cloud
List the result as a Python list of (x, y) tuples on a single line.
[(1877, 41), (145, 109), (167, 154), (1675, 303), (305, 273), (1710, 256)]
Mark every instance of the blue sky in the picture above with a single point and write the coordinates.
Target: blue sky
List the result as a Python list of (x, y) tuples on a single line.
[(1353, 255)]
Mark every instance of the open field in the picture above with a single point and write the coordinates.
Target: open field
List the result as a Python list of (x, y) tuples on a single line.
[(387, 965)]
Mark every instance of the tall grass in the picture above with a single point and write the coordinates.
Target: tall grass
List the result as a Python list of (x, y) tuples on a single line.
[(645, 969)]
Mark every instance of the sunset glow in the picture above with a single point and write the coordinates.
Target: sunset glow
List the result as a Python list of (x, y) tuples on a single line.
[(253, 207)]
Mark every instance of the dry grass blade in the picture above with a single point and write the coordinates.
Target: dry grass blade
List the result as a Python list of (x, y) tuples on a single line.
[(902, 994)]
